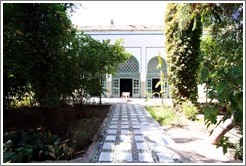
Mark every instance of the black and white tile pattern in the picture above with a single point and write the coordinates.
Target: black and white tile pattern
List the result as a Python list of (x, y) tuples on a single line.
[(132, 136)]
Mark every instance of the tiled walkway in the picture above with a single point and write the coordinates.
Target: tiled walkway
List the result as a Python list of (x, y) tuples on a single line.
[(132, 136)]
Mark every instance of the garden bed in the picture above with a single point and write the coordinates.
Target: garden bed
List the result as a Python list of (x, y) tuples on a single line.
[(74, 127)]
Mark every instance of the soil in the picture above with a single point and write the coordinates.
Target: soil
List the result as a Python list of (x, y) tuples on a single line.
[(84, 122), (192, 143)]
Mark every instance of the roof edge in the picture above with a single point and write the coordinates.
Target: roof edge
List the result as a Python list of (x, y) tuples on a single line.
[(100, 28)]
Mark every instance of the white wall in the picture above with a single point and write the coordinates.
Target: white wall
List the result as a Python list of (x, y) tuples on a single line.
[(142, 45)]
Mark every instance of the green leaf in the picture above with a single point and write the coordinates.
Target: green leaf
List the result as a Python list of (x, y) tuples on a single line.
[(8, 144), (29, 149), (204, 74), (20, 149), (239, 81), (39, 144), (7, 155), (224, 149), (239, 100), (221, 87), (238, 116)]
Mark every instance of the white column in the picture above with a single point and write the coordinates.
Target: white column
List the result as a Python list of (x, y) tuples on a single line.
[(143, 71)]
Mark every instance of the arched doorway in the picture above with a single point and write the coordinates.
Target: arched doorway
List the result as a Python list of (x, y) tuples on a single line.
[(127, 79), (153, 77)]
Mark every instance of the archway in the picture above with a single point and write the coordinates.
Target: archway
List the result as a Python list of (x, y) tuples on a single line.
[(153, 77), (127, 79)]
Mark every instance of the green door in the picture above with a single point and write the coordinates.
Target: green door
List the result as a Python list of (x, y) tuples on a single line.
[(116, 87), (136, 88)]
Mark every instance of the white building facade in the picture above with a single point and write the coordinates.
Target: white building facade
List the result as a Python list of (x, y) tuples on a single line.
[(139, 75)]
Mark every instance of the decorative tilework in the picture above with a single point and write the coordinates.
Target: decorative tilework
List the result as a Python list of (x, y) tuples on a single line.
[(130, 136), (139, 138), (110, 138), (137, 131), (142, 145), (143, 120), (136, 126), (145, 157), (106, 156), (124, 126), (113, 126), (108, 145), (112, 131), (125, 131)]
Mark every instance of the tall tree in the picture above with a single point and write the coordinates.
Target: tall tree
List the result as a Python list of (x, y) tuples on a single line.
[(222, 67), (183, 30), (36, 48), (44, 54), (222, 58), (95, 60)]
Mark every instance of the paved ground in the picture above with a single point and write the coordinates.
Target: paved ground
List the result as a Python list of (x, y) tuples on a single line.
[(132, 136), (141, 101)]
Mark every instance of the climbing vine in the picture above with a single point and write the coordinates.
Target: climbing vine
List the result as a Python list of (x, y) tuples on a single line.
[(183, 51)]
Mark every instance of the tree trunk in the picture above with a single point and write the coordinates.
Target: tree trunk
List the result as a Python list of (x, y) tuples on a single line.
[(45, 117), (220, 131), (79, 107), (100, 96), (100, 100)]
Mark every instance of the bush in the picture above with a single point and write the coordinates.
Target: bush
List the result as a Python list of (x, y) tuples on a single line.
[(183, 31), (21, 147), (164, 115), (189, 110)]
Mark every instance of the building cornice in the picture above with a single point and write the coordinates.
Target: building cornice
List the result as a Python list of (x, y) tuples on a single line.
[(137, 28)]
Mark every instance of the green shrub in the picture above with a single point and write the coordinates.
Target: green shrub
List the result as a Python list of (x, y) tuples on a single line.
[(21, 153), (183, 31), (22, 147), (189, 110), (164, 115)]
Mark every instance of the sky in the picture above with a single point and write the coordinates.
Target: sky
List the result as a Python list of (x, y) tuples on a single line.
[(121, 12)]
